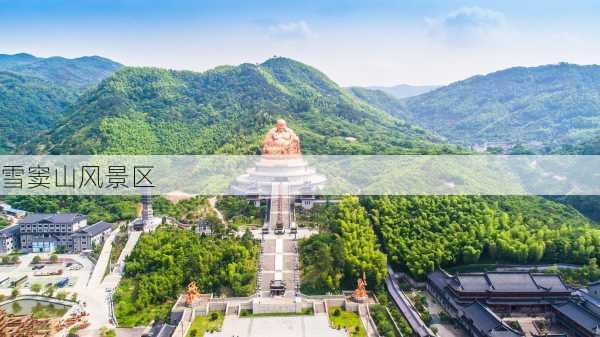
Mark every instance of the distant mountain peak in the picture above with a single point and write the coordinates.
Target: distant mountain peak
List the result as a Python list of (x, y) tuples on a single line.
[(402, 91), (541, 106)]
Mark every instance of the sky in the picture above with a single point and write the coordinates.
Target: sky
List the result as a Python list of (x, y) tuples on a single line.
[(371, 42)]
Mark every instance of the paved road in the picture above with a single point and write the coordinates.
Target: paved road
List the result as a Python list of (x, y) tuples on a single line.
[(102, 262), (412, 317)]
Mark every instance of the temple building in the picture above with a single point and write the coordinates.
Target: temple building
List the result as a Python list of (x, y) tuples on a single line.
[(477, 300)]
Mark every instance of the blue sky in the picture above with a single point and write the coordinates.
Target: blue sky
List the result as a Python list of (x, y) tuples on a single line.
[(354, 42)]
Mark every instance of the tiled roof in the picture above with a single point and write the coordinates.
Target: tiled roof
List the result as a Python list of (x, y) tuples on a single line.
[(95, 229), (508, 282), (9, 231), (487, 321), (579, 315), (58, 218)]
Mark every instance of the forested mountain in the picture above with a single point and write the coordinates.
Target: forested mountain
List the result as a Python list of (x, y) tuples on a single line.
[(36, 92), (228, 110), (548, 105), (77, 74), (406, 90)]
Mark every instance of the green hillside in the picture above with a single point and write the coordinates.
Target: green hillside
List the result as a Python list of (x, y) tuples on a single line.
[(228, 110), (28, 105), (35, 92), (548, 105)]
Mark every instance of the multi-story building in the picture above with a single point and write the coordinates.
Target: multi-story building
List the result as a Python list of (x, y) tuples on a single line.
[(90, 236), (42, 232), (9, 239)]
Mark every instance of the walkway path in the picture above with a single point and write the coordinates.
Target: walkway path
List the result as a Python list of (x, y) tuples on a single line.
[(212, 201), (279, 258), (102, 263), (402, 302)]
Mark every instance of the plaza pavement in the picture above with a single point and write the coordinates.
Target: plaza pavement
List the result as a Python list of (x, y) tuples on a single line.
[(278, 326)]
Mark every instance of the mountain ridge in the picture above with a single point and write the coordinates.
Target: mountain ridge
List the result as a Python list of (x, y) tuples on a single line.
[(227, 110), (547, 105)]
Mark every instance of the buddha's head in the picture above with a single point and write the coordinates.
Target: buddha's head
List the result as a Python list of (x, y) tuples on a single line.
[(281, 125)]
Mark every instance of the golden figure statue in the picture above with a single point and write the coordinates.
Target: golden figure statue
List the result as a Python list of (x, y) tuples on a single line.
[(191, 294), (281, 140), (361, 289)]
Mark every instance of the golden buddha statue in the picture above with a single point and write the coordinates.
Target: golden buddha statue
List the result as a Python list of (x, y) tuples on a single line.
[(281, 140), (360, 293), (191, 294)]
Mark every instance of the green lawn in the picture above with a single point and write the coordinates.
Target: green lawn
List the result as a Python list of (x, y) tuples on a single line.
[(350, 321), (202, 324), (304, 312)]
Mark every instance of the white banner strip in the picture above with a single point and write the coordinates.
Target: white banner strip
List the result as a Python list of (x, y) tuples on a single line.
[(305, 175)]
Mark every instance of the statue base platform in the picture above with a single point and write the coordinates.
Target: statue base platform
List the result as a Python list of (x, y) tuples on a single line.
[(360, 299)]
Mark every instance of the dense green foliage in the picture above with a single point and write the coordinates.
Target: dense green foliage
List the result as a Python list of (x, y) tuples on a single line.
[(107, 208), (333, 261), (163, 263), (187, 211), (588, 205), (385, 326), (228, 110), (3, 222), (238, 211), (386, 301), (322, 260), (579, 277), (422, 233), (36, 92), (547, 105)]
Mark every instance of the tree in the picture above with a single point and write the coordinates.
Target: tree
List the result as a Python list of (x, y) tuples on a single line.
[(62, 295), (15, 292), (36, 287), (50, 288), (53, 258), (36, 259)]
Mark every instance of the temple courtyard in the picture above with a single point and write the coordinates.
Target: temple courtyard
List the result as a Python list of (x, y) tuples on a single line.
[(278, 326)]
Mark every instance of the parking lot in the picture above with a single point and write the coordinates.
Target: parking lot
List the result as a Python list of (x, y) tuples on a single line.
[(70, 274)]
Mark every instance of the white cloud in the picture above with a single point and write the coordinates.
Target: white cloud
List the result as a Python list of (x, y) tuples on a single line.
[(290, 30), (466, 26)]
